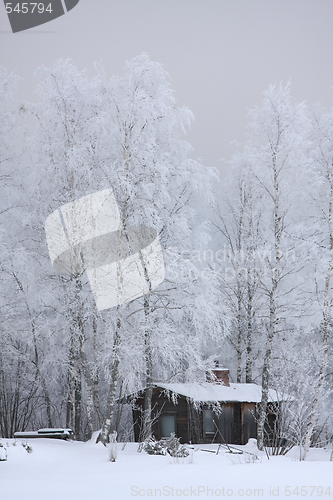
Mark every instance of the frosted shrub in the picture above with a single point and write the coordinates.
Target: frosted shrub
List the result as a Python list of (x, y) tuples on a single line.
[(27, 447), (174, 448), (153, 447), (170, 445)]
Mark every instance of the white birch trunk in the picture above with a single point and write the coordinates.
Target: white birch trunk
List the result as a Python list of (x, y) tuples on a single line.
[(108, 424), (272, 311)]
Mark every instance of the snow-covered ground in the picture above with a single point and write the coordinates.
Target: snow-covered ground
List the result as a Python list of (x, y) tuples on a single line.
[(60, 470)]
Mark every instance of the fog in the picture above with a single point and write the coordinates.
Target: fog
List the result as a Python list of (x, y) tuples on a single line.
[(220, 54)]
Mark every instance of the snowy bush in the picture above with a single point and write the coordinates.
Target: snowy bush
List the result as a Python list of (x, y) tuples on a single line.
[(170, 445), (27, 447), (174, 448), (153, 447)]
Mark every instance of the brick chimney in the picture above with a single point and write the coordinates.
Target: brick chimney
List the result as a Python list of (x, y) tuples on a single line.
[(218, 376)]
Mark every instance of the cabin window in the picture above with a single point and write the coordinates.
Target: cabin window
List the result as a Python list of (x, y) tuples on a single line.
[(168, 425), (209, 427)]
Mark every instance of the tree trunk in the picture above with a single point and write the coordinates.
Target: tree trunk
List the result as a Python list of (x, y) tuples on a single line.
[(249, 360), (146, 431), (95, 376), (47, 401), (239, 334), (78, 407), (265, 376), (119, 411), (272, 312), (109, 423), (90, 392), (74, 398)]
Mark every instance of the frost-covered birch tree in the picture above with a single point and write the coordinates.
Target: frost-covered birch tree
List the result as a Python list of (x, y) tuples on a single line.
[(22, 377), (320, 233), (11, 357), (126, 135), (275, 150), (238, 224), (294, 376), (156, 185), (69, 151)]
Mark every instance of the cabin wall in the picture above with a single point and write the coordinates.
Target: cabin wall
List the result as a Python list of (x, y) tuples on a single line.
[(236, 424), (249, 424), (165, 407), (195, 424), (161, 405), (228, 427), (271, 430)]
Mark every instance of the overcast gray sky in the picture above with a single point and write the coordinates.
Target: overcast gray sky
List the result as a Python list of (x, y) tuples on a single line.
[(221, 54)]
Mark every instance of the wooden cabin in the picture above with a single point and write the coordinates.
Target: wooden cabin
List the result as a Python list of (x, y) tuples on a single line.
[(187, 409)]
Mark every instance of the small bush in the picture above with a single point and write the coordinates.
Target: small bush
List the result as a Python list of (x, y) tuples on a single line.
[(153, 447), (169, 445), (27, 447)]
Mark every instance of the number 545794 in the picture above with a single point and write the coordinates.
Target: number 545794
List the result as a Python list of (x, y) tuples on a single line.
[(27, 8)]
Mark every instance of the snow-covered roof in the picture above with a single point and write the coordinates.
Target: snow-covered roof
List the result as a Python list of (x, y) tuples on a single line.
[(209, 392)]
